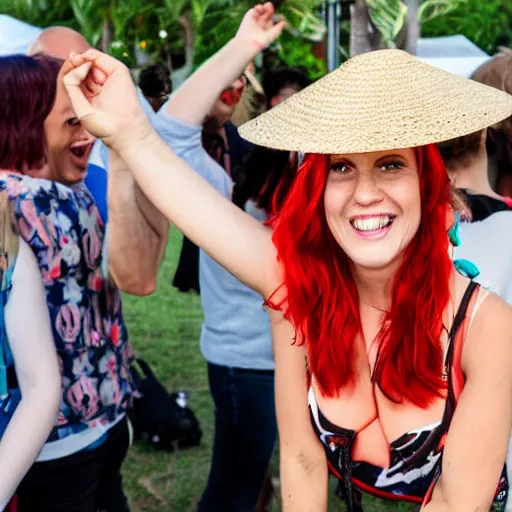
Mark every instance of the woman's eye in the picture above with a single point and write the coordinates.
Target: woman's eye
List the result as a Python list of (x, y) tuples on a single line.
[(340, 168), (391, 166), (73, 121)]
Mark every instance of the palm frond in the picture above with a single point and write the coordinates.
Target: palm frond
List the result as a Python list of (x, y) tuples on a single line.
[(431, 9), (388, 17)]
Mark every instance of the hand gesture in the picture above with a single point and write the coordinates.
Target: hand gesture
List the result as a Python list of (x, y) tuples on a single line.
[(104, 97), (258, 28)]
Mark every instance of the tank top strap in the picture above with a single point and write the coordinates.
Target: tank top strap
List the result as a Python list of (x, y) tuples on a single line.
[(468, 307), (462, 310)]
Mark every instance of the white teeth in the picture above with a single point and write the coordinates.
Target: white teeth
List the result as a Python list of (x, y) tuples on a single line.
[(371, 223)]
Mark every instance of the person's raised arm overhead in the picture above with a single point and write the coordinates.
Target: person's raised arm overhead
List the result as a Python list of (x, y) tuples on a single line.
[(256, 32), (112, 112), (137, 232)]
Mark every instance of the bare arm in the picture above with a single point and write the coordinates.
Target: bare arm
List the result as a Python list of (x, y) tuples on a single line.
[(477, 441), (304, 476), (233, 238), (195, 98), (229, 235), (38, 373), (137, 232)]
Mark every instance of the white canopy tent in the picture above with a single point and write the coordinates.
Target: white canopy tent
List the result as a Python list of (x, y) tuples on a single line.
[(15, 35), (456, 54)]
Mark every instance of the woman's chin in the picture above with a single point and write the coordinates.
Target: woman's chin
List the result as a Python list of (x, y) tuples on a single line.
[(74, 176), (374, 259)]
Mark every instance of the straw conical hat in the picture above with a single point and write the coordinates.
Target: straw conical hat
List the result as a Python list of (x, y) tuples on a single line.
[(377, 101)]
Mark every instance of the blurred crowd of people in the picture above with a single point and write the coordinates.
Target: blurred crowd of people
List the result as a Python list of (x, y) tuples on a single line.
[(80, 222)]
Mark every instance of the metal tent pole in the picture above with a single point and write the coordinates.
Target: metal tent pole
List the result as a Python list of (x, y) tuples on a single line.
[(332, 35)]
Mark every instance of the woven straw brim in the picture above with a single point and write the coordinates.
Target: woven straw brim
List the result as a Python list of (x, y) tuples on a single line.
[(379, 101)]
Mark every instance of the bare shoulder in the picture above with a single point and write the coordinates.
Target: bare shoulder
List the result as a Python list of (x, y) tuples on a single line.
[(489, 338), (493, 315)]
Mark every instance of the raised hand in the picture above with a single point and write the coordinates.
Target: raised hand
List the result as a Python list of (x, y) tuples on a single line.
[(258, 28), (104, 98)]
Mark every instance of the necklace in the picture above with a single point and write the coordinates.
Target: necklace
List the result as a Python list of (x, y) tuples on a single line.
[(374, 307)]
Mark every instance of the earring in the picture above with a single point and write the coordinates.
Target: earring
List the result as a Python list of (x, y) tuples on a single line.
[(453, 233), (466, 268)]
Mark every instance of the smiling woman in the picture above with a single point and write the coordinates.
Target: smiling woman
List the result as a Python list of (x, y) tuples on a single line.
[(66, 147), (61, 238), (367, 194), (68, 144), (348, 197)]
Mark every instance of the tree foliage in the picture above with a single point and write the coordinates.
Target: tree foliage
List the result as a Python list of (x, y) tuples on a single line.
[(41, 13), (488, 23), (389, 16), (156, 27)]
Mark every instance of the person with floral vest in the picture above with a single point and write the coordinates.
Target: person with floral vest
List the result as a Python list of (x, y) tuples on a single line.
[(78, 469)]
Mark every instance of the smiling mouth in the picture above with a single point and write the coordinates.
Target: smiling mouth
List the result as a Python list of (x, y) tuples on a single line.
[(81, 151), (373, 224)]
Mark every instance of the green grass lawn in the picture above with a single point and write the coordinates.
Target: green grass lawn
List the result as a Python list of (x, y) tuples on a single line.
[(164, 329)]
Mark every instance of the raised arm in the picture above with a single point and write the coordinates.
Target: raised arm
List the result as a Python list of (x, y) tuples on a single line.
[(476, 446), (37, 370), (137, 232), (304, 477), (229, 235), (112, 112), (195, 98)]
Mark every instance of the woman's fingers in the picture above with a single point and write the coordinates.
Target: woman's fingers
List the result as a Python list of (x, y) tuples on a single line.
[(76, 76), (104, 65), (92, 86), (269, 11), (76, 59), (274, 32), (73, 82), (94, 78), (99, 76)]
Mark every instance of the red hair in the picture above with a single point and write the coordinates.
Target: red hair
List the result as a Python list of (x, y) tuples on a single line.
[(27, 88), (322, 299)]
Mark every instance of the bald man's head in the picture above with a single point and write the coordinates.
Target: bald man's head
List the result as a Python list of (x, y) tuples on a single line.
[(58, 42)]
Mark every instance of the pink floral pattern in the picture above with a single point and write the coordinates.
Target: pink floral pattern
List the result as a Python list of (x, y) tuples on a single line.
[(65, 231)]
